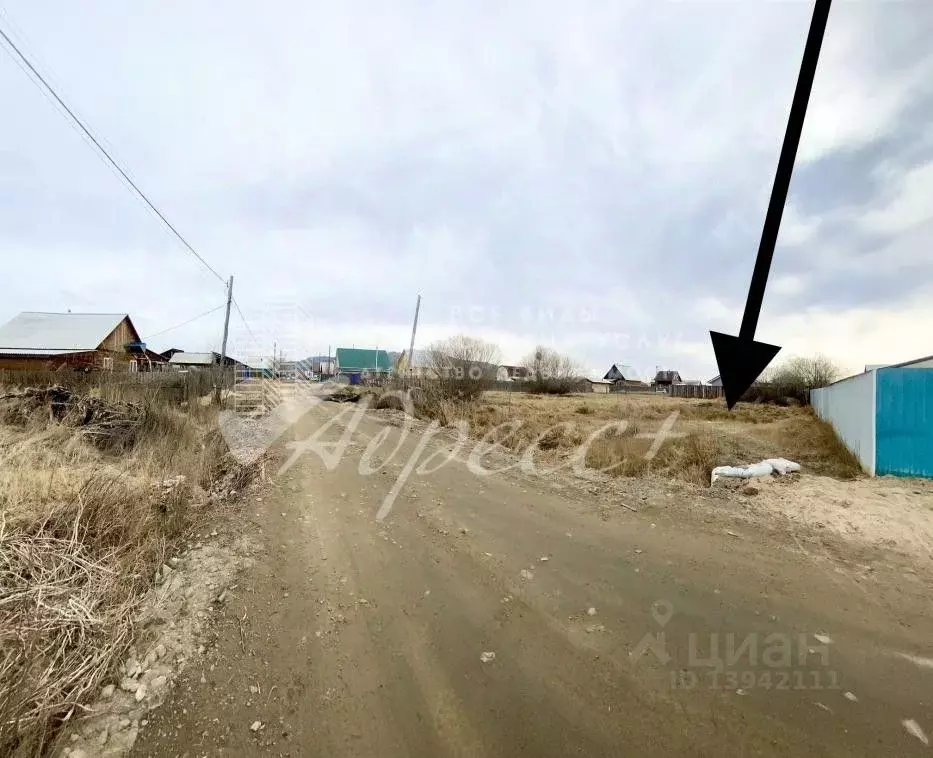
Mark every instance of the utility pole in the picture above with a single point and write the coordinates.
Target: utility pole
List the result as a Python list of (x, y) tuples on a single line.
[(223, 344), (414, 328)]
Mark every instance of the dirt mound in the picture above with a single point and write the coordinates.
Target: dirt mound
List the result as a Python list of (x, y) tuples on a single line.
[(407, 401)]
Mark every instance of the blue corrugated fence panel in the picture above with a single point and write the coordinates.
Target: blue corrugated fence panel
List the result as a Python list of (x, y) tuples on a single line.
[(904, 422)]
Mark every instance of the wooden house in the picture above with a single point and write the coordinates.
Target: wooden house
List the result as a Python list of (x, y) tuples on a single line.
[(619, 372), (35, 341), (183, 361), (664, 379)]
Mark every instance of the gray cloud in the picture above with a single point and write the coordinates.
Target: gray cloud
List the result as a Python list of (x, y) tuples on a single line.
[(594, 176)]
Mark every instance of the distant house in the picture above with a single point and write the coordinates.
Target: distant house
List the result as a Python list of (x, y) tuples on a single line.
[(619, 372), (319, 365), (428, 364), (514, 373), (601, 386), (664, 379), (356, 363), (304, 369), (421, 364), (716, 381), (287, 369), (257, 368), (475, 369), (183, 361), (629, 385), (154, 361), (463, 368), (167, 354), (86, 341)]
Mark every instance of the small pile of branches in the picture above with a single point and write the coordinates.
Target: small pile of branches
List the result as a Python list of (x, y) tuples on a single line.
[(345, 395), (65, 615), (108, 424)]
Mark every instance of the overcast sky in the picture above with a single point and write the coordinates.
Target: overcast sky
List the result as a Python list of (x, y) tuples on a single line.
[(589, 175)]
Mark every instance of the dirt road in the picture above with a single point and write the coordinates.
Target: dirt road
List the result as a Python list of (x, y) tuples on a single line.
[(359, 637)]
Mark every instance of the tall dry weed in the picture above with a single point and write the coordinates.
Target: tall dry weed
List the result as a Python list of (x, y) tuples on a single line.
[(86, 521)]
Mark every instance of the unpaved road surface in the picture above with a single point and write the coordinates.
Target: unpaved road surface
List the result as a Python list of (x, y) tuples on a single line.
[(358, 637)]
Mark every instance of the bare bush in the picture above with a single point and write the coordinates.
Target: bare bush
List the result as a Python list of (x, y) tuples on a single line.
[(771, 393), (805, 373), (462, 367), (551, 372)]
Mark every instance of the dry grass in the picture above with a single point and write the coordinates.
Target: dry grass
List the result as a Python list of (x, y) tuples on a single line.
[(813, 443), (86, 521), (709, 434)]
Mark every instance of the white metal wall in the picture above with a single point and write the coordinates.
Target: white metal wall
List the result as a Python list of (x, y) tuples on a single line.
[(849, 406)]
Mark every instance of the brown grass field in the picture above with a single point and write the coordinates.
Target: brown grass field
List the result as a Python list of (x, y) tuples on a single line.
[(709, 434)]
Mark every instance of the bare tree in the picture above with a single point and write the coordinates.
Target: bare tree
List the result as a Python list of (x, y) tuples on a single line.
[(551, 371), (464, 349), (462, 366), (805, 373)]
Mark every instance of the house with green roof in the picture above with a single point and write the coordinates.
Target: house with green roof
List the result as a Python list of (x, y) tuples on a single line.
[(354, 363)]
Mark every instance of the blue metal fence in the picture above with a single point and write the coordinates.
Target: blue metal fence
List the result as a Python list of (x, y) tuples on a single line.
[(904, 422)]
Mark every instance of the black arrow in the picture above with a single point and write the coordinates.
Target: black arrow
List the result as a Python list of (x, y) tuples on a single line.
[(740, 359)]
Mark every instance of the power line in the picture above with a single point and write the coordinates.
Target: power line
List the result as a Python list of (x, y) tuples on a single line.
[(185, 323), (45, 94), (50, 75), (106, 154), (246, 323)]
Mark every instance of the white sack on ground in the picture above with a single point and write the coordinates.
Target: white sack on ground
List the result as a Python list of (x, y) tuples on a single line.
[(783, 466), (779, 466)]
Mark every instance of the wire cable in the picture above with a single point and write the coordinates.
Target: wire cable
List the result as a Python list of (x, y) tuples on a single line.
[(246, 323), (24, 43), (185, 323), (106, 154)]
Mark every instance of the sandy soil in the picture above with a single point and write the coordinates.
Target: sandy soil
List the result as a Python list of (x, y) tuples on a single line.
[(884, 512), (508, 615)]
